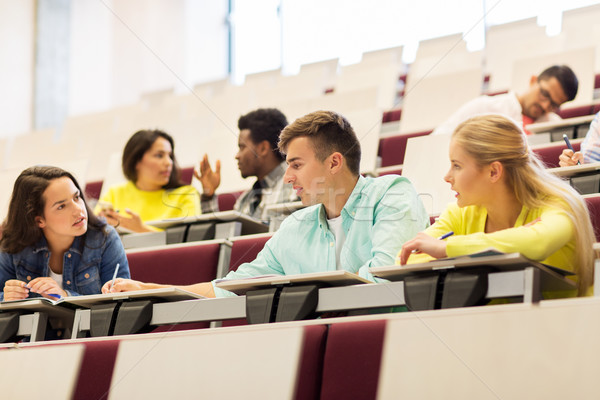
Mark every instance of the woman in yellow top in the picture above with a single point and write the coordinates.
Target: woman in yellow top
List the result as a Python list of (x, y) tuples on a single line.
[(507, 200), (153, 191)]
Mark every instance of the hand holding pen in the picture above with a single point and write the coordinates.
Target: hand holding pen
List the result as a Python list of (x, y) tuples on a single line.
[(424, 243), (569, 156)]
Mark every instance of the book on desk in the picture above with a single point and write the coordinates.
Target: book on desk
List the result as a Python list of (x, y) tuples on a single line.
[(86, 301)]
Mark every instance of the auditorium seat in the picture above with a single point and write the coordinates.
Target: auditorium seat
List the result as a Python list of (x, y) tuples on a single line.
[(311, 362), (92, 190), (392, 115), (593, 204), (244, 249), (352, 360), (226, 201), (549, 153), (186, 175), (177, 265), (96, 369), (392, 148), (573, 112), (391, 170)]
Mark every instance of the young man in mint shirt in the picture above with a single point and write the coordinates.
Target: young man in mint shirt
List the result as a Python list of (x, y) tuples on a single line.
[(351, 222)]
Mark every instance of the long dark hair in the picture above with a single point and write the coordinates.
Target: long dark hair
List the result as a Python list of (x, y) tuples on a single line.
[(19, 229), (138, 145)]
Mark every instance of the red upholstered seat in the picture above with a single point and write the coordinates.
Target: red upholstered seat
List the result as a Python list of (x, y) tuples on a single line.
[(593, 204), (176, 266), (549, 154), (96, 370), (352, 360), (391, 149), (244, 249), (392, 115), (226, 201), (573, 112), (311, 362), (396, 171), (186, 175), (93, 189)]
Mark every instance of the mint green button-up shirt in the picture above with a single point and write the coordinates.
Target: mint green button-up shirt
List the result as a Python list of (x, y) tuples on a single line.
[(379, 216)]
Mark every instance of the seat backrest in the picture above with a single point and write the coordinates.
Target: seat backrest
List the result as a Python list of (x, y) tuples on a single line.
[(593, 204), (245, 249), (226, 201), (93, 190), (352, 360), (311, 362), (95, 374), (392, 148), (187, 174), (549, 154), (176, 265), (573, 112)]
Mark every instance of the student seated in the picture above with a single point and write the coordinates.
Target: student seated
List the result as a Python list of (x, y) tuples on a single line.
[(555, 86), (353, 223), (590, 147), (257, 156), (52, 244), (154, 190), (505, 199)]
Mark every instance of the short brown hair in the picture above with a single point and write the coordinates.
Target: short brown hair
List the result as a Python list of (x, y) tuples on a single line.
[(27, 202), (329, 132), (138, 145)]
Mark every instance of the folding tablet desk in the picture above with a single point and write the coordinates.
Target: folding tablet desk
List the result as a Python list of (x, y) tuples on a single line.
[(585, 178), (515, 277)]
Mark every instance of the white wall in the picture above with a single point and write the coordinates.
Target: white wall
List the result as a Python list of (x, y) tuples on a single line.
[(16, 68)]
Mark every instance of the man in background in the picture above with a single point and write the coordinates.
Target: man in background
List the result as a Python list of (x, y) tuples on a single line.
[(257, 156), (555, 86)]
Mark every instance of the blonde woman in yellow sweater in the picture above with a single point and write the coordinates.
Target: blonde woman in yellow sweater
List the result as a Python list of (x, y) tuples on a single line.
[(153, 191), (508, 201)]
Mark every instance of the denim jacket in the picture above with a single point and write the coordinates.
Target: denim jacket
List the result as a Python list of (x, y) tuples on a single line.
[(86, 267)]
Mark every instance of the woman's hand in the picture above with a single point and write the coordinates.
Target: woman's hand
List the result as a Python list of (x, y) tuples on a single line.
[(44, 286), (133, 223), (209, 179), (423, 243), (122, 285), (15, 290)]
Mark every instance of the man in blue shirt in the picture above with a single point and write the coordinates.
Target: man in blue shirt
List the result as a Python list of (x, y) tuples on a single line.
[(351, 222)]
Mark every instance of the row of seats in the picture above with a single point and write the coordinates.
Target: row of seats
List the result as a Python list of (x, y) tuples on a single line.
[(395, 115), (335, 360), (391, 151), (500, 351)]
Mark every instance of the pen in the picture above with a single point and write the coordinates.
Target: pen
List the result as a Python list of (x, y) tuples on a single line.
[(568, 142), (446, 235), (114, 276)]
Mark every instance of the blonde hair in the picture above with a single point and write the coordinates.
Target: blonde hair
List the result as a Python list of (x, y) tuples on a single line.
[(490, 138)]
